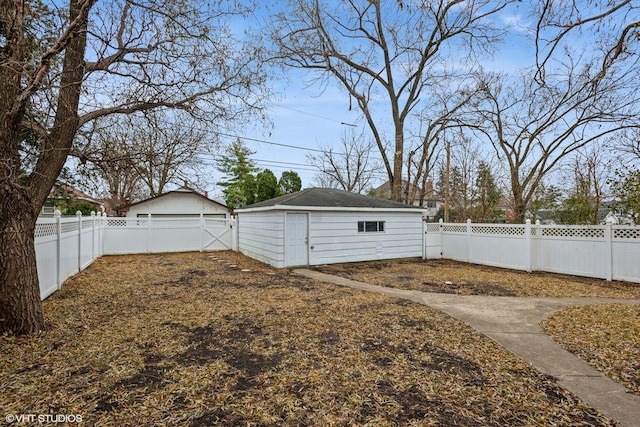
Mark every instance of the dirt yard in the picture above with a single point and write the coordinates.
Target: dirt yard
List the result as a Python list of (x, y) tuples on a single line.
[(204, 339), (607, 336), (467, 279)]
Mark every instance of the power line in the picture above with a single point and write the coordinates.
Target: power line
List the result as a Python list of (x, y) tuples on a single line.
[(263, 141), (298, 166), (316, 115), (267, 142)]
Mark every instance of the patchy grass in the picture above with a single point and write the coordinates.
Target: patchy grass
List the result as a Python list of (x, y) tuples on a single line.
[(187, 339), (454, 277), (606, 336)]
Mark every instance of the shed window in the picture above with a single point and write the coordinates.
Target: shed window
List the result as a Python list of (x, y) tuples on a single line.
[(370, 226)]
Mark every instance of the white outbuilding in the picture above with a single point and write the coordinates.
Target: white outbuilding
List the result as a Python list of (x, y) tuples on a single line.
[(183, 202), (327, 226)]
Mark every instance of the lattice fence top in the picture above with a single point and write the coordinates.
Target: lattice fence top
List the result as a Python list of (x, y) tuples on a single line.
[(626, 233), (433, 228), (594, 233), (454, 228), (584, 232), (45, 230), (514, 230), (222, 221), (66, 227), (155, 222), (120, 222), (175, 222)]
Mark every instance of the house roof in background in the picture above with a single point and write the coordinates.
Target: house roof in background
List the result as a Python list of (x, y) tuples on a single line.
[(72, 192), (328, 198)]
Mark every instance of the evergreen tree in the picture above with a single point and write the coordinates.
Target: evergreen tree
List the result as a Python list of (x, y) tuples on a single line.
[(488, 193), (266, 185), (626, 190), (240, 185), (290, 182), (545, 202), (580, 206)]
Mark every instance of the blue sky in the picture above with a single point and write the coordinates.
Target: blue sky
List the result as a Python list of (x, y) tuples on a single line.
[(311, 117)]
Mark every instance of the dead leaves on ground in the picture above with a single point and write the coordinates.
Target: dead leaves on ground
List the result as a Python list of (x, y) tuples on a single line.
[(454, 277), (192, 339), (606, 336)]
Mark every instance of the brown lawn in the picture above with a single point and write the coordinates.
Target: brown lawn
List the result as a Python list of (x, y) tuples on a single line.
[(607, 336), (187, 339)]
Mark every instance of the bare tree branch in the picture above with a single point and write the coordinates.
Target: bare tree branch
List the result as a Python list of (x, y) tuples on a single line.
[(383, 52)]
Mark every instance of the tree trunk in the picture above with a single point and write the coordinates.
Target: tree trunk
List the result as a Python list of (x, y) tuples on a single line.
[(20, 305), (22, 195), (398, 158), (519, 209)]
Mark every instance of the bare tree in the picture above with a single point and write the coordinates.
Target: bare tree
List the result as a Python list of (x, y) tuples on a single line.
[(440, 117), (107, 162), (168, 148), (466, 163), (624, 181), (588, 174), (351, 169), (93, 60), (614, 26), (385, 53), (628, 146), (533, 126), (584, 179)]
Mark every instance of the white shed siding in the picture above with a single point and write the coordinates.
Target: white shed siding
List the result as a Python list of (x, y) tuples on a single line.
[(176, 204), (261, 236), (334, 236)]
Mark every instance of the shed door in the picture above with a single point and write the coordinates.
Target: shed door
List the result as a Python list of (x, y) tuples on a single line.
[(296, 250)]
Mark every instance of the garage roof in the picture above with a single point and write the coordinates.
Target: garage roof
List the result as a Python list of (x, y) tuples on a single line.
[(329, 197)]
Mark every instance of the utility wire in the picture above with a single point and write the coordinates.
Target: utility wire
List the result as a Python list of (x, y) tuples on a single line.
[(268, 142), (316, 115)]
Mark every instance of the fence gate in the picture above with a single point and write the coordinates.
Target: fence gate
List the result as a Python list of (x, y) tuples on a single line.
[(218, 234)]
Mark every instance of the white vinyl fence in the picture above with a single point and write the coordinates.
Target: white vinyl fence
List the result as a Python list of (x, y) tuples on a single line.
[(148, 235), (65, 246), (610, 252)]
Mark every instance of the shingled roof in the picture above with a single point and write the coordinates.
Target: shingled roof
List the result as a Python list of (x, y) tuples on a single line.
[(329, 197)]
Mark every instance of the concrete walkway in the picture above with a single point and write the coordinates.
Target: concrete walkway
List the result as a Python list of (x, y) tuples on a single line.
[(514, 323)]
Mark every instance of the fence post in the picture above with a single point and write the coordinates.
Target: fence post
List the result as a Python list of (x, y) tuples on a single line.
[(527, 241), (79, 216), (103, 227), (469, 253), (93, 236), (441, 223), (608, 238), (58, 216), (235, 224), (148, 233), (536, 267), (201, 232), (424, 239)]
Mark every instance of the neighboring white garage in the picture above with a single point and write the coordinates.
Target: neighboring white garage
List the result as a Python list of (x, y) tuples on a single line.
[(326, 226), (181, 220), (183, 202)]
